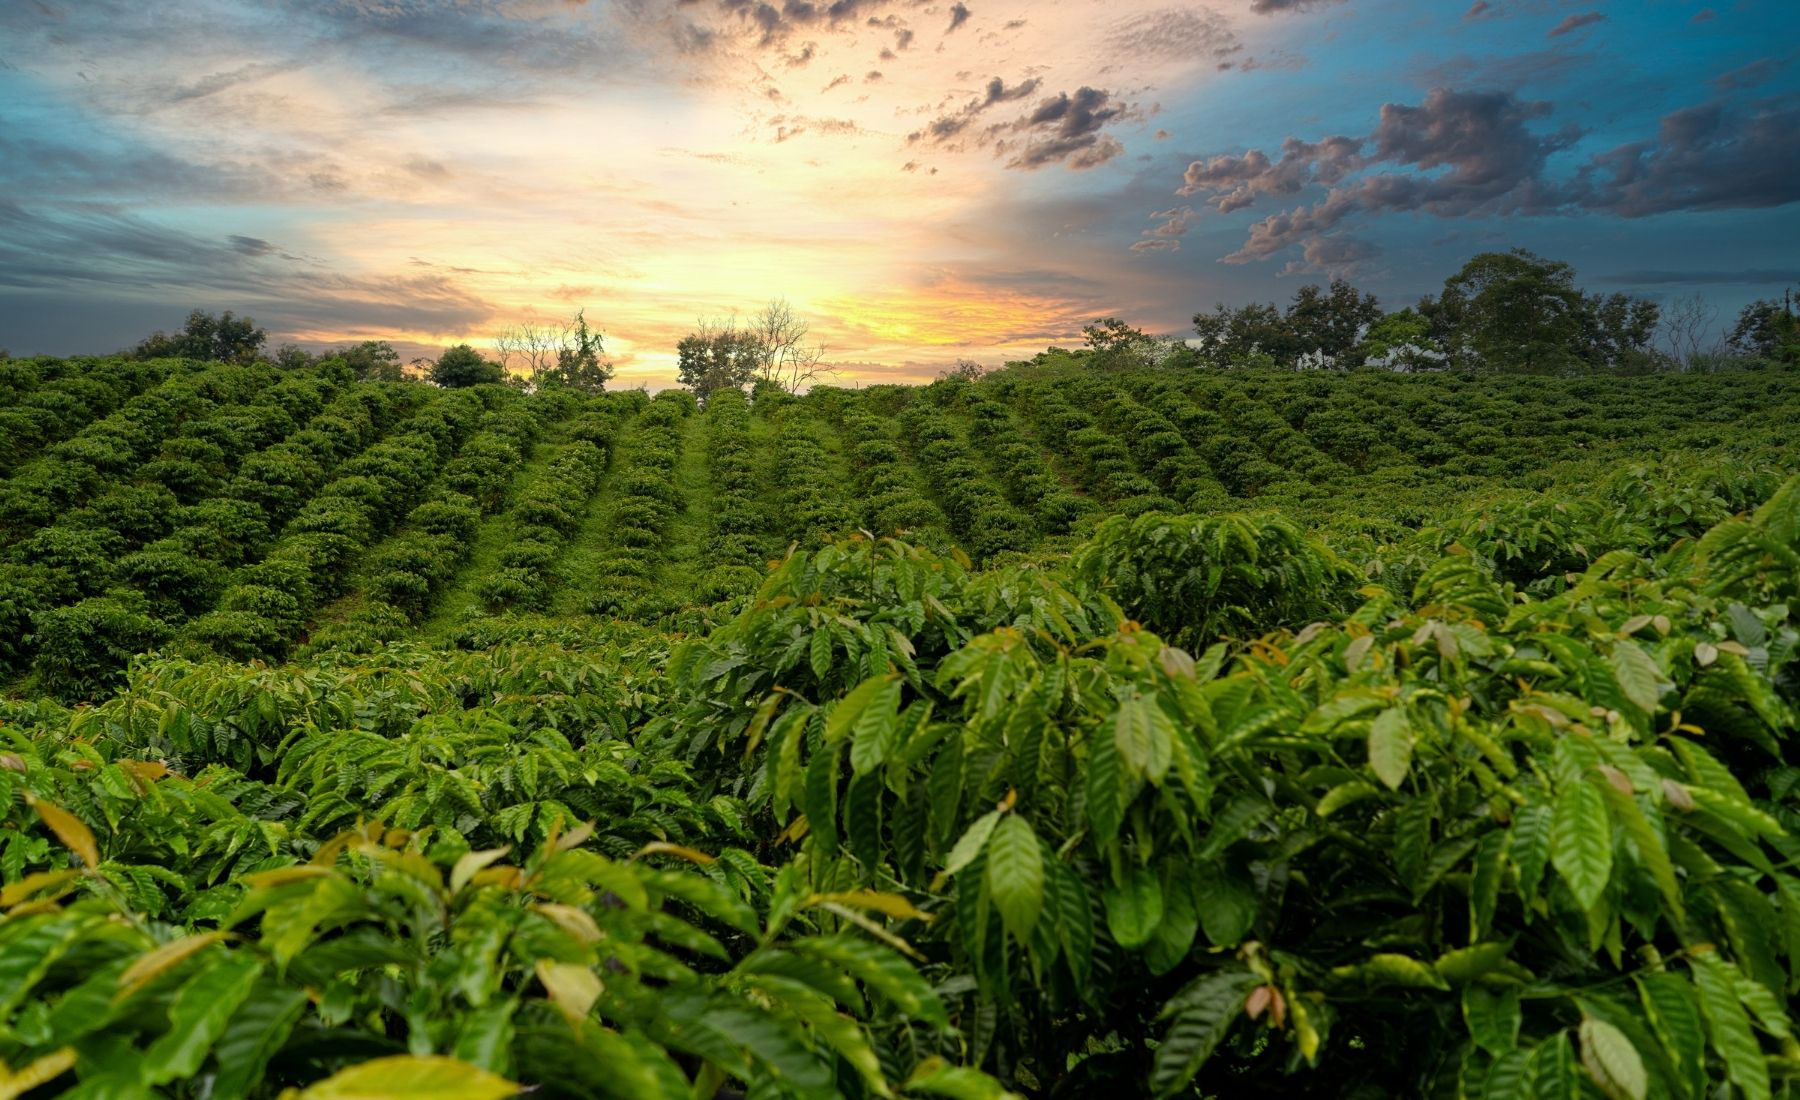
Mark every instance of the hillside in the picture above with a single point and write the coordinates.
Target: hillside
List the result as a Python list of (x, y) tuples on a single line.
[(1187, 733)]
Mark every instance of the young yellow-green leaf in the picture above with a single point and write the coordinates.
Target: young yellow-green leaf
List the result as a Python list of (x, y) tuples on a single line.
[(844, 714), (1015, 875), (874, 733), (427, 1077), (1581, 843), (71, 830), (936, 1077), (469, 863), (972, 841), (1386, 968), (159, 961), (573, 988), (1612, 1062), (1391, 747), (31, 1075)]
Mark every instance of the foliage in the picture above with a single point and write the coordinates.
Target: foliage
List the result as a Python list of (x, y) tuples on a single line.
[(222, 338), (462, 366)]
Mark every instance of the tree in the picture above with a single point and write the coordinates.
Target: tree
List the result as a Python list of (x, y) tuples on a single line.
[(966, 369), (372, 360), (1509, 311), (579, 365), (530, 346), (782, 354), (1329, 322), (462, 366), (718, 355), (1617, 331), (1401, 342), (225, 339), (1113, 343), (1767, 329), (1687, 330)]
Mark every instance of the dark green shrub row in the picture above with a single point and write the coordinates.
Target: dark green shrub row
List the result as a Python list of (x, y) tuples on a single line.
[(1102, 463), (46, 400), (546, 514), (1163, 453), (1024, 474), (809, 494), (267, 604), (647, 500), (735, 550), (882, 479), (979, 514)]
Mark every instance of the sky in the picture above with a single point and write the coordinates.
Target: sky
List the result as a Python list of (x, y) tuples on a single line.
[(923, 181)]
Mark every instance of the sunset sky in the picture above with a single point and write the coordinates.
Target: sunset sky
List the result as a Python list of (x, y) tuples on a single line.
[(923, 180)]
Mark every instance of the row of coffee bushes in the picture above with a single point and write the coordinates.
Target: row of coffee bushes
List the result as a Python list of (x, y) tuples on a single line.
[(405, 575), (268, 604), (1287, 451), (646, 501), (1027, 478), (736, 547), (113, 448), (809, 490), (43, 401), (1102, 463), (979, 514), (1163, 453), (883, 480), (547, 513), (157, 561)]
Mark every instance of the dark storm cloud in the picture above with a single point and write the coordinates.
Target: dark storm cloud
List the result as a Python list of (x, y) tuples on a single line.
[(1471, 154), (1068, 129), (1707, 157), (251, 246), (1573, 23), (959, 14), (945, 127)]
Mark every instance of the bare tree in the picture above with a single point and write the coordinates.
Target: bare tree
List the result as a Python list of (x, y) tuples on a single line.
[(1688, 325), (783, 355), (531, 346)]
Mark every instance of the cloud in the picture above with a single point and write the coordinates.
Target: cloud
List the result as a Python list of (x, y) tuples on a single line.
[(1707, 157), (251, 246), (1157, 244), (1190, 34), (1271, 7), (945, 127), (1469, 154), (1749, 76), (1478, 10), (1573, 23), (1067, 129), (1704, 15), (1336, 256), (959, 14)]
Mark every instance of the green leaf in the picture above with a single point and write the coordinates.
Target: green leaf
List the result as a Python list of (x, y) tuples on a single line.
[(1638, 675), (1530, 846), (256, 1031), (1674, 1012), (1134, 907), (1174, 936), (198, 1017), (1106, 794), (1581, 844), (406, 1075), (881, 970), (1144, 738), (486, 1037), (1015, 875), (1226, 903), (1612, 1062), (1555, 1075), (1201, 1014), (1391, 746), (1493, 1018), (938, 1078), (1729, 1025), (1649, 845), (973, 840), (875, 731), (1387, 968)]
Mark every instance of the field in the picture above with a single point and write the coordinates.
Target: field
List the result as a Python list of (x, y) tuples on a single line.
[(1060, 733)]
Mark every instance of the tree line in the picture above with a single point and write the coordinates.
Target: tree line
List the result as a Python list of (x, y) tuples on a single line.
[(1513, 312)]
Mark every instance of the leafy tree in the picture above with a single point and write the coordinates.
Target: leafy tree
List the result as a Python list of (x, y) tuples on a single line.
[(716, 356), (1767, 329), (1400, 341), (1518, 312), (225, 339), (1112, 344), (462, 365), (579, 365), (372, 360), (1318, 322)]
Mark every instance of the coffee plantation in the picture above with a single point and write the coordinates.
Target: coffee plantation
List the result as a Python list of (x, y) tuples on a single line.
[(1062, 733)]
